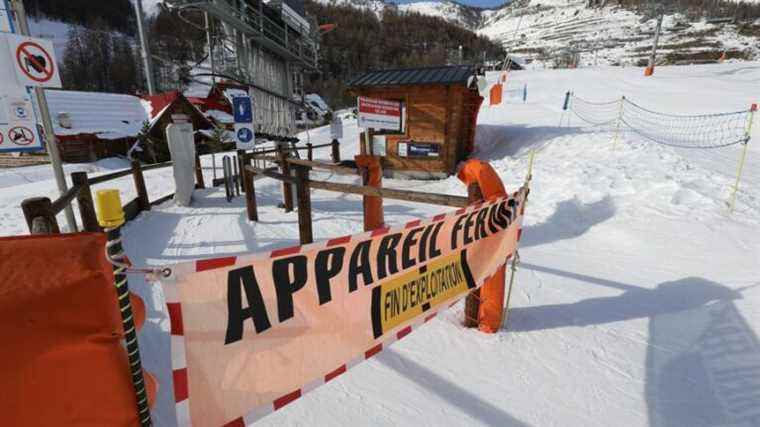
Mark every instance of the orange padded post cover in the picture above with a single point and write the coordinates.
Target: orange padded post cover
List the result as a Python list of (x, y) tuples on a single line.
[(492, 292), (495, 94), (60, 330), (373, 177)]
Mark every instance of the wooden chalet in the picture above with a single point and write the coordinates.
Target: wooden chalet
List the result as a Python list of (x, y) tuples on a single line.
[(441, 109), (93, 125)]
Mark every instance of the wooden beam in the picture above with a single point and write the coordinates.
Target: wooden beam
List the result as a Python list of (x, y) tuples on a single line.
[(65, 199), (304, 205), (250, 191), (143, 203), (39, 216), (85, 201), (390, 193)]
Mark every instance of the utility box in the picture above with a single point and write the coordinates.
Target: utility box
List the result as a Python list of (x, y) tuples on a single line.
[(440, 107)]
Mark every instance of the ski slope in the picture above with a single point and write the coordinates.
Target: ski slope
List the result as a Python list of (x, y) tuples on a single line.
[(637, 302)]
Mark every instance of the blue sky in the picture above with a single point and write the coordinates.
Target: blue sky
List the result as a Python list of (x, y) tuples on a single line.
[(478, 3)]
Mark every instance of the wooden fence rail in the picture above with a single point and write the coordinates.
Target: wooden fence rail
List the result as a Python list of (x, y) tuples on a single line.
[(304, 185), (40, 212)]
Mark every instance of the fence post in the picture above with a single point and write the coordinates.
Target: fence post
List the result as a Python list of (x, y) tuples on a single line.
[(213, 167), (742, 159), (304, 205), (198, 172), (472, 302), (335, 151), (38, 212), (287, 189), (250, 192), (565, 108), (86, 204), (241, 158), (525, 93), (142, 193), (617, 125), (309, 154)]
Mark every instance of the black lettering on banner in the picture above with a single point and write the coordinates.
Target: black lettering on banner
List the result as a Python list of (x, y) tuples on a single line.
[(386, 256), (359, 264), (238, 280), (480, 224), (406, 249), (505, 213), (454, 232), (377, 324), (497, 218), (468, 223), (466, 270), (433, 244), (492, 219), (286, 284), (512, 203), (327, 265)]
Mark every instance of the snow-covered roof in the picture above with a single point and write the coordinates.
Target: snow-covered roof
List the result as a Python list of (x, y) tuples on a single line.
[(220, 116), (108, 115), (232, 92), (316, 102)]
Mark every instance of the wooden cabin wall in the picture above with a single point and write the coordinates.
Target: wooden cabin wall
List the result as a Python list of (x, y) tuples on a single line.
[(435, 114)]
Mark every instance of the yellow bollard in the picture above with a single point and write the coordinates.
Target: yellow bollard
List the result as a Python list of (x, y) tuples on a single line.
[(109, 210)]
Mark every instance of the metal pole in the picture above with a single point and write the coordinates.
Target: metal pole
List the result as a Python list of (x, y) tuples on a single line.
[(653, 56), (17, 6), (144, 51), (210, 51), (742, 160), (116, 256)]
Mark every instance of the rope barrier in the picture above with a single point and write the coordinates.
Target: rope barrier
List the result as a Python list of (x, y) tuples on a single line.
[(683, 131), (705, 131)]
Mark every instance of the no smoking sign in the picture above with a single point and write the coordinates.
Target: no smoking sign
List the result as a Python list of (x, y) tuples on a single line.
[(34, 61)]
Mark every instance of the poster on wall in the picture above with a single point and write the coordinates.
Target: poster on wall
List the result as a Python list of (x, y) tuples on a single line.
[(418, 149), (379, 114), (378, 145)]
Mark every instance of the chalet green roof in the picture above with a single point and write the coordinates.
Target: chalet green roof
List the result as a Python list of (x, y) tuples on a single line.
[(441, 75)]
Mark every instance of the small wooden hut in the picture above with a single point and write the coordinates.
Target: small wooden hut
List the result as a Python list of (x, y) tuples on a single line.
[(441, 107)]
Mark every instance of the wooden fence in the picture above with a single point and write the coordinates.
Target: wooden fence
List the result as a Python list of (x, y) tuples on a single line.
[(40, 212), (299, 177)]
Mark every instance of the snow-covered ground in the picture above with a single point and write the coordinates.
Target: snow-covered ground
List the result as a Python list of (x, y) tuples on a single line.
[(637, 302)]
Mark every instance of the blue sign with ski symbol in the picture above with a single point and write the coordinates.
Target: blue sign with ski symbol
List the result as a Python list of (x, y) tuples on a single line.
[(244, 135), (242, 109)]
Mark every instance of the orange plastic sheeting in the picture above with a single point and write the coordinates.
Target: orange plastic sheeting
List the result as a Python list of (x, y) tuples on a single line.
[(373, 206), (491, 307), (495, 94), (62, 358)]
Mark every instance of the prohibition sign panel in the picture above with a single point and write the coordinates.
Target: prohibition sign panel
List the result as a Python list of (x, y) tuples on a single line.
[(34, 61), (21, 135)]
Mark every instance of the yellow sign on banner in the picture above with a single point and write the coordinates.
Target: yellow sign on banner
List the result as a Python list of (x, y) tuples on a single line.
[(399, 300)]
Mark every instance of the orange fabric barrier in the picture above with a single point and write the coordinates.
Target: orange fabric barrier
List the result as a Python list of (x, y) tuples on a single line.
[(62, 358), (491, 308), (495, 94), (373, 206)]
